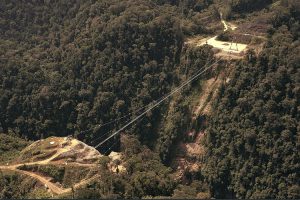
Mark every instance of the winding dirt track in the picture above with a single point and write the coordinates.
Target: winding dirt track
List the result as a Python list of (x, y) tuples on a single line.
[(228, 47), (54, 188), (46, 181)]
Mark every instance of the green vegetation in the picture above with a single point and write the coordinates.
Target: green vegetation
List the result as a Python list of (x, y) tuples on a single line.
[(87, 62), (40, 150), (15, 186), (10, 147), (85, 77), (39, 193), (146, 175), (196, 189), (55, 172), (64, 174), (253, 136), (178, 117), (84, 63), (239, 8), (70, 65)]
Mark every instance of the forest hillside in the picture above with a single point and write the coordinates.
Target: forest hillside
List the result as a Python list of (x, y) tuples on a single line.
[(79, 70)]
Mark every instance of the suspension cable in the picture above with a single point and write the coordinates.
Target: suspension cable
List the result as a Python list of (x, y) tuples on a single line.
[(120, 118), (102, 136), (110, 147), (131, 113), (157, 103), (124, 116), (118, 141)]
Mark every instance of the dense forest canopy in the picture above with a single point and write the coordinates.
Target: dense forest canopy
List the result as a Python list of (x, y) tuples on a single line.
[(83, 63), (253, 137), (68, 66), (72, 65)]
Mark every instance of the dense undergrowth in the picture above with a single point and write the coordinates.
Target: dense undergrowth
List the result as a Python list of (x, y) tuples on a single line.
[(66, 175), (10, 147), (16, 186)]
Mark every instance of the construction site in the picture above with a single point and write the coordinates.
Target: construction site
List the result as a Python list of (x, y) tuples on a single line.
[(61, 164)]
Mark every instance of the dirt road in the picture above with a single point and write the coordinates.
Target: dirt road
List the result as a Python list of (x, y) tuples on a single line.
[(228, 47), (46, 182), (55, 189), (227, 25)]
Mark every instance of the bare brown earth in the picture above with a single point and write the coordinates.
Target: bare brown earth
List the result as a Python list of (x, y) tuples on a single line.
[(46, 181), (209, 90), (242, 39), (189, 153), (60, 151), (55, 151)]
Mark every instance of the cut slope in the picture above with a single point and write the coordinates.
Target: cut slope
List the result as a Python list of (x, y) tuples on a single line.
[(42, 157), (58, 149), (210, 88)]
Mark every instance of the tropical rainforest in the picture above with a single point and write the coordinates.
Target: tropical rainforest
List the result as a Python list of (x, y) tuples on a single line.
[(86, 67)]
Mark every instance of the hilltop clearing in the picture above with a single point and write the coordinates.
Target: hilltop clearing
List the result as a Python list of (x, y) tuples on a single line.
[(60, 163), (55, 158), (237, 49), (58, 150), (236, 40)]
